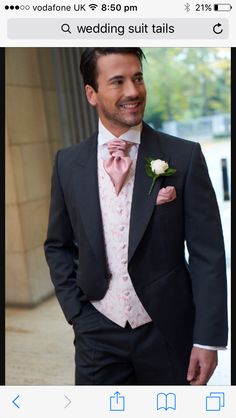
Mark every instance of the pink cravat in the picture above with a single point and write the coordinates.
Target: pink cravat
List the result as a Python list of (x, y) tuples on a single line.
[(118, 164)]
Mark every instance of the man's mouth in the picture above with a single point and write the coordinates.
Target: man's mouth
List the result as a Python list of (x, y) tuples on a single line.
[(130, 105)]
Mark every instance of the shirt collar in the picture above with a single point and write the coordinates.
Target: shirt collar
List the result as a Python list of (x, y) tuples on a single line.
[(133, 134)]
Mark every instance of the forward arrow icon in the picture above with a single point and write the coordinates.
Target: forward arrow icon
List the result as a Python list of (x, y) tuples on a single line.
[(68, 401)]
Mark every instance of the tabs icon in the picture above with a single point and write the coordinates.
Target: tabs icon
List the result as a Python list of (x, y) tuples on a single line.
[(215, 401)]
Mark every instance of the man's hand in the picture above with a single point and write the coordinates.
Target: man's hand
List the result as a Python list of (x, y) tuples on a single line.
[(201, 365)]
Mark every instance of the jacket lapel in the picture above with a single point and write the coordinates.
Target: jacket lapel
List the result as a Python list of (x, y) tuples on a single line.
[(88, 196), (143, 204)]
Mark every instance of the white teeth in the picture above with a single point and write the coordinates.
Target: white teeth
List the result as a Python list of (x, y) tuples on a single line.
[(130, 105)]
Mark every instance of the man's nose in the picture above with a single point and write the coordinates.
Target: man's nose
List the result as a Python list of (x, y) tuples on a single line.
[(131, 89)]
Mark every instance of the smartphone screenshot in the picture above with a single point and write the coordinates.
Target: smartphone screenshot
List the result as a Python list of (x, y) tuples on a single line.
[(115, 296)]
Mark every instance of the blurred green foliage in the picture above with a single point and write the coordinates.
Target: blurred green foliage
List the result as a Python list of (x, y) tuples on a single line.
[(184, 83)]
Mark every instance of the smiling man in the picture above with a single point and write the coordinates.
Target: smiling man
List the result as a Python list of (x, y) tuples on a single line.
[(118, 92), (124, 203)]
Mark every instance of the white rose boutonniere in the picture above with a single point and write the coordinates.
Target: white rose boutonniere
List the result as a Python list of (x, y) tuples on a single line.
[(157, 168)]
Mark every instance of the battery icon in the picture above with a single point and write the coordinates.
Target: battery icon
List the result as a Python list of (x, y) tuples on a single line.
[(222, 7)]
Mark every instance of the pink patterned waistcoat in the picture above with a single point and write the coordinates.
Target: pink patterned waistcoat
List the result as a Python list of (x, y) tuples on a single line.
[(121, 303)]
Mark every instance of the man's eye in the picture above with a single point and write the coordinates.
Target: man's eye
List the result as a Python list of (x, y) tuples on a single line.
[(139, 79), (117, 82)]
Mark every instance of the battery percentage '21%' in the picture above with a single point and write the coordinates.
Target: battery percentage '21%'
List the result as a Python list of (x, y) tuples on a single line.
[(203, 7)]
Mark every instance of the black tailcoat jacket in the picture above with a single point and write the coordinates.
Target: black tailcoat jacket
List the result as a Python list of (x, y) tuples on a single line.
[(186, 299)]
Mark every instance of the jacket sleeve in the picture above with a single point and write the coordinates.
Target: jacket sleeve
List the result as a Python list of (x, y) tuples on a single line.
[(204, 239), (61, 250)]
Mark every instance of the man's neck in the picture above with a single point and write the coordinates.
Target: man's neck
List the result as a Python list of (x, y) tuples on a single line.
[(117, 133)]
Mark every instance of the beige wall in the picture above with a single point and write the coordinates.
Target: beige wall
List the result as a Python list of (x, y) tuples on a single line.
[(33, 134)]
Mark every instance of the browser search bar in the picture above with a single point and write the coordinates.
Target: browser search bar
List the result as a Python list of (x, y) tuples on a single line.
[(117, 28)]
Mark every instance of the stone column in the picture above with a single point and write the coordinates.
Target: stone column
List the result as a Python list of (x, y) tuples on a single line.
[(33, 134)]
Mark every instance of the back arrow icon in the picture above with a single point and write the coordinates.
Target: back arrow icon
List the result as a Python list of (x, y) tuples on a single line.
[(68, 403), (14, 401), (216, 29)]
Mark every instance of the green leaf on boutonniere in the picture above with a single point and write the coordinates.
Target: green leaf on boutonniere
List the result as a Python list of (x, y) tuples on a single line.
[(149, 171), (170, 172), (157, 168)]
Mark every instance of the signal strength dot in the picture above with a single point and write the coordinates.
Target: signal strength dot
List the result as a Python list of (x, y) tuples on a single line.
[(93, 6), (12, 7)]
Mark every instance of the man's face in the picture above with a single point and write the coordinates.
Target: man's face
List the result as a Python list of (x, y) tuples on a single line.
[(121, 95)]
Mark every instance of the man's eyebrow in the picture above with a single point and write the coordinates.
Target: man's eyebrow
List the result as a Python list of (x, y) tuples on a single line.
[(116, 77)]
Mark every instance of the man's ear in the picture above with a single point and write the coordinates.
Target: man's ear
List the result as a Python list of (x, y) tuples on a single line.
[(91, 95)]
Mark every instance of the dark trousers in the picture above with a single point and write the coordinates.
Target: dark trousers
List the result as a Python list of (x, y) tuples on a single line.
[(107, 354)]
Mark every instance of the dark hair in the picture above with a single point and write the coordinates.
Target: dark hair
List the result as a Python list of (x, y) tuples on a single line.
[(88, 63)]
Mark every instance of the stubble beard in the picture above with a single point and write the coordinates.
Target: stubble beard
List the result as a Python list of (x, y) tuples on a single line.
[(123, 121)]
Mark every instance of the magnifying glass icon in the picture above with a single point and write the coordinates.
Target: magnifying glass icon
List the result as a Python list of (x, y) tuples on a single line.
[(65, 28)]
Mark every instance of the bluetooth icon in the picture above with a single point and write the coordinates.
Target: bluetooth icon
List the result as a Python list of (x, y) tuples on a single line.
[(187, 7)]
